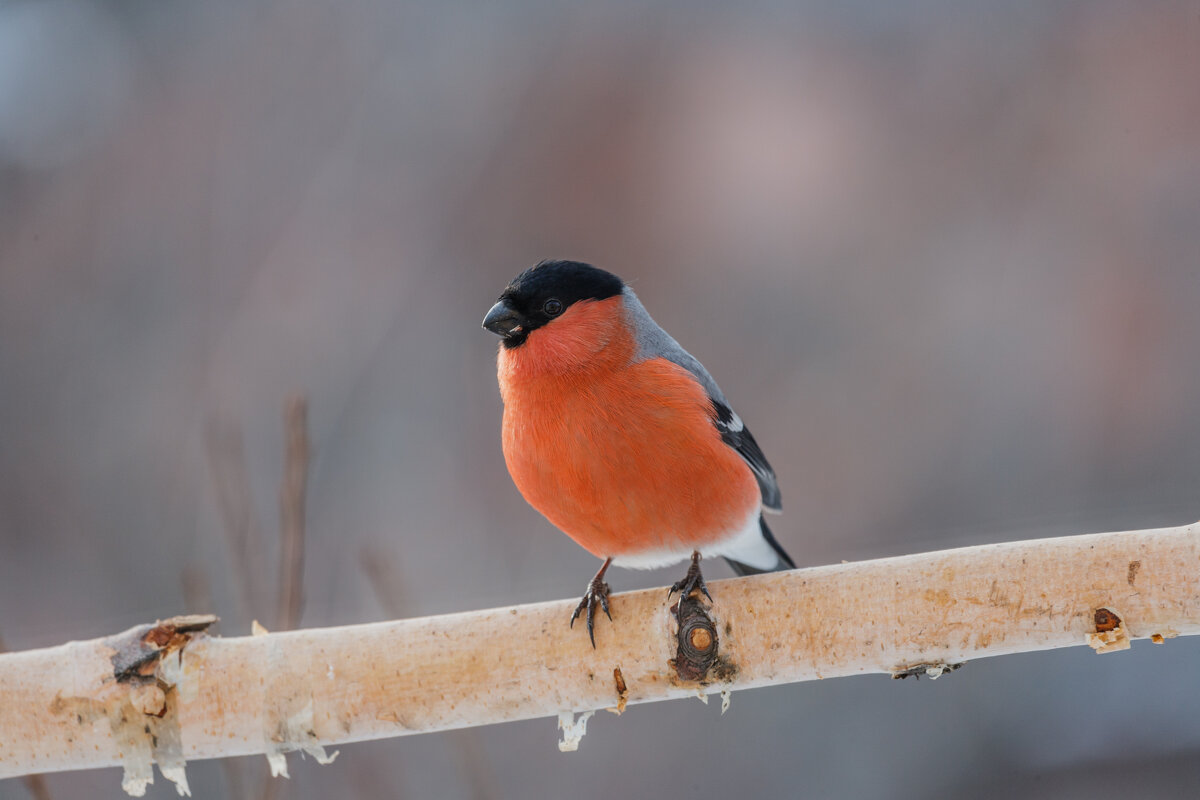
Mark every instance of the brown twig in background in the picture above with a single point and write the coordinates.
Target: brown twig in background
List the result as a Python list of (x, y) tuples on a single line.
[(291, 515), (227, 467), (37, 788)]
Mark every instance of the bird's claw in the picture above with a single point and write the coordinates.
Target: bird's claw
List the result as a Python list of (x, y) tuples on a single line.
[(692, 581), (597, 592)]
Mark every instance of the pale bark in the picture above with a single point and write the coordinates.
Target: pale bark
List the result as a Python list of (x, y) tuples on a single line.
[(62, 708)]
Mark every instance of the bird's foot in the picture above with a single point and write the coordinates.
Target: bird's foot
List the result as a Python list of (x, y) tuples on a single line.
[(597, 593), (690, 583)]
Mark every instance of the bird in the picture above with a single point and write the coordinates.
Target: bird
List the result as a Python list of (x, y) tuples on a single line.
[(621, 438)]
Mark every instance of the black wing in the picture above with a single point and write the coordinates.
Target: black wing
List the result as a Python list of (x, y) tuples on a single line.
[(735, 434)]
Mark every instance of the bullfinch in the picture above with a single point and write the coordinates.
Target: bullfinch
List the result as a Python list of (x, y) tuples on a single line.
[(620, 437)]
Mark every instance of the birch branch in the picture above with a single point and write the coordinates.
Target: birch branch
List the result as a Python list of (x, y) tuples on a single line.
[(170, 693)]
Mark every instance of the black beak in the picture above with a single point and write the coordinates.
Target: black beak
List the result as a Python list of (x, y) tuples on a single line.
[(502, 319)]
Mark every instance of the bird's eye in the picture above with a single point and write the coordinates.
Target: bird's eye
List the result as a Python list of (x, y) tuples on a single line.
[(553, 307)]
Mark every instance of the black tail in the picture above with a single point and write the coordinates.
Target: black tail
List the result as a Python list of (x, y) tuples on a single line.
[(785, 561)]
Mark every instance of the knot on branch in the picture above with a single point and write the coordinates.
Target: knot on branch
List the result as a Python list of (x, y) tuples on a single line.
[(697, 650), (1106, 620), (137, 652), (1110, 634)]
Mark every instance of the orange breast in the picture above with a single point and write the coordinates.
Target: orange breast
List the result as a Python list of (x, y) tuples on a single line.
[(621, 456)]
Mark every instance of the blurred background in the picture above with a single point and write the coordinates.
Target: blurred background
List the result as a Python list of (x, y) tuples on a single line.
[(944, 258)]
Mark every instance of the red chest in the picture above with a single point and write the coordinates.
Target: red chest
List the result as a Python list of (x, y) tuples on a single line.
[(621, 456)]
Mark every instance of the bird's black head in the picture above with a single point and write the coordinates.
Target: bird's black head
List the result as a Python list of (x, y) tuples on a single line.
[(542, 293)]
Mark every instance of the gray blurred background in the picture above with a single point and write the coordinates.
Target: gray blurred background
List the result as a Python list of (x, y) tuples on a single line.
[(943, 257)]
